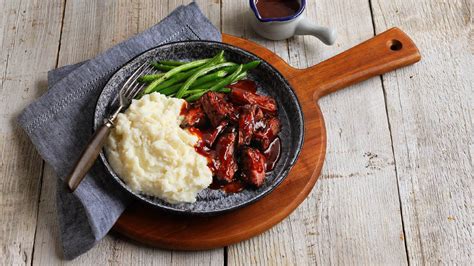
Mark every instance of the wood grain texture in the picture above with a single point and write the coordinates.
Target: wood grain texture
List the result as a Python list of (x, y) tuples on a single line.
[(430, 110), (106, 23), (352, 215), (23, 66)]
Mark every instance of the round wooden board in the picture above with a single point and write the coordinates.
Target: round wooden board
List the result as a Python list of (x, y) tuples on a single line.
[(157, 228)]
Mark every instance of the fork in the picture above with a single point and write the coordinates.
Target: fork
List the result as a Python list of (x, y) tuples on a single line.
[(129, 91)]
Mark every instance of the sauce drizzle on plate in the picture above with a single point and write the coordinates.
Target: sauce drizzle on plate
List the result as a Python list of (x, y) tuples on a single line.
[(273, 154)]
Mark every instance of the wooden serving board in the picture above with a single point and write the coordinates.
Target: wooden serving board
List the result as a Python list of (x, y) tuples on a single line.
[(385, 52)]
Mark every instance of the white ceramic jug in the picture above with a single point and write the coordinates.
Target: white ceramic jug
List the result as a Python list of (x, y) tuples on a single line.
[(285, 27)]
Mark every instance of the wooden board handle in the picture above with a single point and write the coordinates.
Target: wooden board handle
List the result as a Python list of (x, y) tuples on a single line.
[(385, 52)]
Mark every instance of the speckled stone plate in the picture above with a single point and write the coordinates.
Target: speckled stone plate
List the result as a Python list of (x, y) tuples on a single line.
[(269, 81)]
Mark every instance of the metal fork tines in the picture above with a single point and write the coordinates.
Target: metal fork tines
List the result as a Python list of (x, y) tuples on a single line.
[(131, 88)]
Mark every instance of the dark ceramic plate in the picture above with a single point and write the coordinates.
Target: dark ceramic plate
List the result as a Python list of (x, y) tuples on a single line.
[(269, 82)]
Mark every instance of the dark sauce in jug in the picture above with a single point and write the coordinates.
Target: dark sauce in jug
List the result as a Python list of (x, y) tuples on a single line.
[(277, 8)]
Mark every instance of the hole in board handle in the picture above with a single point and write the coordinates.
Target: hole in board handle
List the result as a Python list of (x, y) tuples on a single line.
[(395, 45)]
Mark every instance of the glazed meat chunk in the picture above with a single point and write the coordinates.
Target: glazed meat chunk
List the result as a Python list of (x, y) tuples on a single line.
[(246, 124), (242, 97), (244, 84), (194, 117), (267, 130), (216, 107), (224, 161), (210, 136), (253, 166)]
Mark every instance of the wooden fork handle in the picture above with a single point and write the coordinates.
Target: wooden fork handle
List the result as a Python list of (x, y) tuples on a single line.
[(88, 156)]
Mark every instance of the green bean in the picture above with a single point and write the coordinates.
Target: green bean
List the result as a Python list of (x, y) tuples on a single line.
[(168, 79), (200, 82), (228, 80), (213, 76), (177, 78), (241, 75), (198, 74), (246, 67), (225, 90), (174, 81), (194, 97), (161, 66), (201, 87), (150, 88), (150, 77), (205, 85), (191, 92), (171, 89), (171, 62), (208, 85), (222, 83)]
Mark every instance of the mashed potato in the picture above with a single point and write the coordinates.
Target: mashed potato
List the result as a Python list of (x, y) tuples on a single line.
[(153, 155)]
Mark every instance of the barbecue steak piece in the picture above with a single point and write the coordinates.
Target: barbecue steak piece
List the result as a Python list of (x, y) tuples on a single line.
[(266, 132), (246, 124), (259, 119), (252, 166), (217, 108), (194, 117), (225, 162), (242, 97), (244, 84), (210, 137)]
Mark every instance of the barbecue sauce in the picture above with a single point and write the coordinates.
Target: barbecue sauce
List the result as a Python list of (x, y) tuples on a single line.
[(202, 148), (244, 84), (207, 136), (184, 108), (277, 8), (272, 154)]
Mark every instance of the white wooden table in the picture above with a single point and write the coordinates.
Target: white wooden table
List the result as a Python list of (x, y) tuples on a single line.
[(397, 183)]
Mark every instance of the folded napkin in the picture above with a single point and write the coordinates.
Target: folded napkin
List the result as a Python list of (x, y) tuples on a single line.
[(60, 124)]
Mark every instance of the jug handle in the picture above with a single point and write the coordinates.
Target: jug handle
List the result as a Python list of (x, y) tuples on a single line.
[(306, 27)]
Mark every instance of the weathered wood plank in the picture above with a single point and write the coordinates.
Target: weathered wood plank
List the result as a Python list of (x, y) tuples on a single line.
[(29, 37), (430, 108), (106, 23), (353, 214)]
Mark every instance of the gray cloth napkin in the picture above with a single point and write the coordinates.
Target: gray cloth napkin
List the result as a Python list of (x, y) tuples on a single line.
[(60, 124)]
